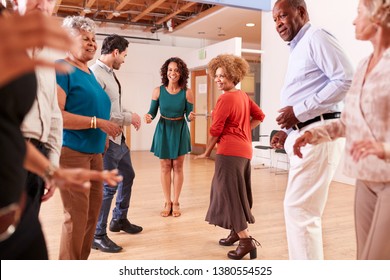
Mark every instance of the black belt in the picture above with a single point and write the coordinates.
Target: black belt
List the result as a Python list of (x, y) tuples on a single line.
[(326, 116), (35, 142)]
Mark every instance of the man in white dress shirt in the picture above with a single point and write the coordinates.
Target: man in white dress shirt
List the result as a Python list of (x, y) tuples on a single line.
[(42, 126), (318, 76)]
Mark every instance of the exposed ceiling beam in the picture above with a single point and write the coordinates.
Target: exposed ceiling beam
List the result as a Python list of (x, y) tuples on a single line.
[(120, 6), (58, 3), (181, 9), (147, 10), (171, 15), (87, 5), (198, 17)]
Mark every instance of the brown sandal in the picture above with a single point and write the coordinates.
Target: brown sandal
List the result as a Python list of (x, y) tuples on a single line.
[(176, 210), (167, 209)]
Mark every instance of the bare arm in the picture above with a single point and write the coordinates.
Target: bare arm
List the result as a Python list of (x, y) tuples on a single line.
[(210, 146), (255, 123), (73, 121), (73, 178)]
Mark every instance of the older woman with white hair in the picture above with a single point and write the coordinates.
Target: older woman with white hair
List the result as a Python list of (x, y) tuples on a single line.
[(365, 123), (85, 109)]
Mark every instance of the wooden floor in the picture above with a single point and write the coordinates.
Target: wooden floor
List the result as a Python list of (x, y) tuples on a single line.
[(189, 237)]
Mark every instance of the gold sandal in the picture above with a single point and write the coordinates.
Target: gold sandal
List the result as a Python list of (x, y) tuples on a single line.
[(176, 210), (167, 209)]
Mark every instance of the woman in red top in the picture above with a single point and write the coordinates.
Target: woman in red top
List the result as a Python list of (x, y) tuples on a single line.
[(233, 118)]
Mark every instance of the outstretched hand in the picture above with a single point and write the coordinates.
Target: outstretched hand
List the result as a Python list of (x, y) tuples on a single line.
[(78, 179), (136, 121), (201, 156), (301, 142), (148, 118), (20, 33)]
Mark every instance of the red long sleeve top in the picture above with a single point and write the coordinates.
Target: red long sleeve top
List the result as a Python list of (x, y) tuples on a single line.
[(231, 119)]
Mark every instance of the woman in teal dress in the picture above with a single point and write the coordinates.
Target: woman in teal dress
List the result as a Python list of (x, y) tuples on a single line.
[(171, 140)]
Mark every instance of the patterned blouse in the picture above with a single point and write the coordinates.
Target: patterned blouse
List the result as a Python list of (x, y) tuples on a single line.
[(366, 116)]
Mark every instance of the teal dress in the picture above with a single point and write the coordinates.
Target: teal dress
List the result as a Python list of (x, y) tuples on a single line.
[(172, 137)]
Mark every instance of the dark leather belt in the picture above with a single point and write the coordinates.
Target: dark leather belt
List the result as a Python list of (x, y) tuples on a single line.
[(34, 141), (172, 119), (326, 116)]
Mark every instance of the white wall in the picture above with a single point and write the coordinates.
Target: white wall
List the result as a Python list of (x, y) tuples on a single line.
[(139, 75), (231, 46), (333, 15)]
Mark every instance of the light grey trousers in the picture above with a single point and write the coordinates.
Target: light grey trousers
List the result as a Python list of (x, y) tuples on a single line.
[(372, 220)]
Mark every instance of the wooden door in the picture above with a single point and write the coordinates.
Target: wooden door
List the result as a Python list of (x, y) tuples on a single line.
[(205, 98)]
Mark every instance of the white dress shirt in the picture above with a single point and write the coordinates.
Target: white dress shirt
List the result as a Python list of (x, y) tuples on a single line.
[(44, 121), (105, 76), (318, 74)]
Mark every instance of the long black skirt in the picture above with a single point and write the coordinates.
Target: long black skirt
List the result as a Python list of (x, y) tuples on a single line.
[(231, 194)]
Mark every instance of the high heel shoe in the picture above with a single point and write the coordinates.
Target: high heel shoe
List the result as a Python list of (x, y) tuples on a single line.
[(230, 240), (176, 210), (167, 209), (245, 246)]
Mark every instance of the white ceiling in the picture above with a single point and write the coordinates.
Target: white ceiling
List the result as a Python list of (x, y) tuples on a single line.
[(229, 21)]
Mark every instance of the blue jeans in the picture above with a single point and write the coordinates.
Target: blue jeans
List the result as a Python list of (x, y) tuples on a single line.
[(116, 156)]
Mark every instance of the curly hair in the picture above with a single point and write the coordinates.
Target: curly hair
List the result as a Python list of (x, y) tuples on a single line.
[(235, 67), (77, 23), (183, 70), (379, 11)]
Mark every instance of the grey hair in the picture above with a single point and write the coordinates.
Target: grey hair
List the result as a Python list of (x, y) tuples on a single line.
[(294, 3), (379, 11), (78, 23)]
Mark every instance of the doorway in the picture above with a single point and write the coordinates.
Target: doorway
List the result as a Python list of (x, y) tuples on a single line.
[(205, 98)]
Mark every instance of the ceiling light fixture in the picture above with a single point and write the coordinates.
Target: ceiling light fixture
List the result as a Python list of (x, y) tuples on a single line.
[(250, 24), (170, 25), (87, 10), (116, 13)]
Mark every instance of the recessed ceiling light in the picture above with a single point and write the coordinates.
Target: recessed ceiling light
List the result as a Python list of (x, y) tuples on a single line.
[(250, 24)]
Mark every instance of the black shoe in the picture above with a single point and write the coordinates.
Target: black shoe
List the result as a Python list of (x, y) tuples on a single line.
[(105, 244), (125, 225)]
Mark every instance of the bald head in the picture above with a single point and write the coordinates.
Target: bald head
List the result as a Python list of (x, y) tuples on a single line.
[(289, 16)]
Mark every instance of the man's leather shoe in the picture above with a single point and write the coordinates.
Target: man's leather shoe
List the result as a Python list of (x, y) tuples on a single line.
[(117, 225), (105, 244)]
